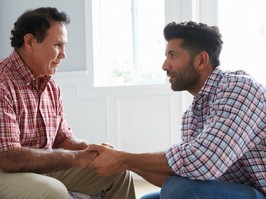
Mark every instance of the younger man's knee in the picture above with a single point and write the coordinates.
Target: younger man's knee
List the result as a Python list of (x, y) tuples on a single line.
[(176, 187)]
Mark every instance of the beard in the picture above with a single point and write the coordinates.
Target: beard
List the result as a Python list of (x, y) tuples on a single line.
[(186, 79)]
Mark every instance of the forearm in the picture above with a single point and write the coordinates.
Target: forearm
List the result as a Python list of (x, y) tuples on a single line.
[(111, 161), (147, 162), (41, 161), (35, 160), (155, 179), (155, 170), (72, 143)]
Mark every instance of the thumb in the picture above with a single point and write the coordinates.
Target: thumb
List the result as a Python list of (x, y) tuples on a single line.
[(94, 147)]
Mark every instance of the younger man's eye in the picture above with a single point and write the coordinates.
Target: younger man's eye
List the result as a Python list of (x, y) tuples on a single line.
[(172, 54)]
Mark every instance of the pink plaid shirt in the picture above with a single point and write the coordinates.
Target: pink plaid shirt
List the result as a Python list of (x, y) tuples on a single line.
[(224, 132), (29, 117)]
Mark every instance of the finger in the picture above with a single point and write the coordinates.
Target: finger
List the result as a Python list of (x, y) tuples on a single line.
[(94, 147), (107, 145)]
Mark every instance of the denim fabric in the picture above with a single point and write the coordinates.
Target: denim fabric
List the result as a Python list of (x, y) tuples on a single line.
[(176, 187), (154, 195)]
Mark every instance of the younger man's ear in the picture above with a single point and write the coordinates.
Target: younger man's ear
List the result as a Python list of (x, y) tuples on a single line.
[(202, 60)]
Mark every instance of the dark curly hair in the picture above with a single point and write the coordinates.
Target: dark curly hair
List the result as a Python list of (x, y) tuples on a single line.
[(197, 37), (36, 22)]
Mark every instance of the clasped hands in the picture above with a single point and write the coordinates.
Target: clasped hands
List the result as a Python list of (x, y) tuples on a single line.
[(108, 161)]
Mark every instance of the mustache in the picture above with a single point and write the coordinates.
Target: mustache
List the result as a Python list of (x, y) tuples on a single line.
[(170, 73)]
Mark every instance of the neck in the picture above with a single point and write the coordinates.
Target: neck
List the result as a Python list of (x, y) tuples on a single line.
[(28, 62), (202, 78)]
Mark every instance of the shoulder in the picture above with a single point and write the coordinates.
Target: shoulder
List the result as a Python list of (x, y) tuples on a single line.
[(5, 74), (8, 66), (239, 82)]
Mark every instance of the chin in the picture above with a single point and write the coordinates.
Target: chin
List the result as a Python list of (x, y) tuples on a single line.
[(173, 87), (53, 71), (176, 88)]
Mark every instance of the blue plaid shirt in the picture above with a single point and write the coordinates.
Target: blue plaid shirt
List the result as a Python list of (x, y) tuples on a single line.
[(224, 132)]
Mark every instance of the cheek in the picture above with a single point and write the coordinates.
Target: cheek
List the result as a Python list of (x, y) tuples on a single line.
[(176, 66), (45, 60), (52, 54)]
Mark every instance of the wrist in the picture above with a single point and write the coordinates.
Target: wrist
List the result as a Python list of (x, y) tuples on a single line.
[(125, 160)]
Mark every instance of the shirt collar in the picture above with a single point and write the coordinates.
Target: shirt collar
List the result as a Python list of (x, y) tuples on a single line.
[(24, 72), (211, 82)]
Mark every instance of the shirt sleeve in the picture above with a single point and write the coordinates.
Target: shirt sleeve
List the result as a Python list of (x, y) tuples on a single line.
[(9, 128), (64, 131), (234, 124)]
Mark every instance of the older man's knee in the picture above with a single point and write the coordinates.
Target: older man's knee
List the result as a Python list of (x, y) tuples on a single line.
[(54, 189)]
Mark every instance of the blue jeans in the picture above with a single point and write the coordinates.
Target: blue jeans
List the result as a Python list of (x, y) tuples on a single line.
[(176, 187)]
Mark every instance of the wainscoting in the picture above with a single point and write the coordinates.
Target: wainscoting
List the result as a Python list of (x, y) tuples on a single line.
[(133, 118)]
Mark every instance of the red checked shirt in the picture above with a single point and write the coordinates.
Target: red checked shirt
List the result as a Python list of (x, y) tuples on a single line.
[(29, 116), (224, 132)]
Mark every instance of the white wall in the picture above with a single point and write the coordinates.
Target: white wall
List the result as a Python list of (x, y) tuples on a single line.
[(133, 118)]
